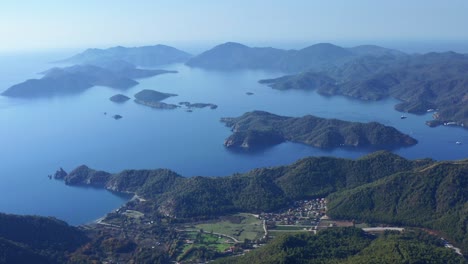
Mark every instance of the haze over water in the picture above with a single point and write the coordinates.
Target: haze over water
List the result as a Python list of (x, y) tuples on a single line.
[(39, 136)]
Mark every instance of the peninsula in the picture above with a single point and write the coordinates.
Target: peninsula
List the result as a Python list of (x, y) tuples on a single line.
[(164, 196), (78, 78), (263, 129), (433, 82)]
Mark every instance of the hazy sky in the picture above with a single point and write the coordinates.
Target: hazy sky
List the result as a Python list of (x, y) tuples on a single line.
[(48, 24)]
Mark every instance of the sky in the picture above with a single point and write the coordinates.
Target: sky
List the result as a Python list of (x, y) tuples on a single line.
[(60, 24)]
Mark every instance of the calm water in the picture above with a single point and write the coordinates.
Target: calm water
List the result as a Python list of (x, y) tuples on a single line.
[(38, 136)]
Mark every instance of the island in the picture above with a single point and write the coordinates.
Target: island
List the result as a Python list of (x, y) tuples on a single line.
[(78, 78), (119, 98), (198, 105), (262, 129), (145, 56), (153, 99)]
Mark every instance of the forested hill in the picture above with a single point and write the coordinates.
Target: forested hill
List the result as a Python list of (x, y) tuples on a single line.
[(381, 187), (350, 245), (33, 239), (435, 197), (259, 190)]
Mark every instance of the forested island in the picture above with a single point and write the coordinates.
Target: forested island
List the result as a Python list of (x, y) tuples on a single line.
[(119, 98), (153, 99), (260, 129)]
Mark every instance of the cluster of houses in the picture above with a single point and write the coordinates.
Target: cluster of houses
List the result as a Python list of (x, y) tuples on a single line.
[(303, 212)]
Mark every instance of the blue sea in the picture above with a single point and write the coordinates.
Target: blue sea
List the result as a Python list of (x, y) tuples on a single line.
[(39, 136)]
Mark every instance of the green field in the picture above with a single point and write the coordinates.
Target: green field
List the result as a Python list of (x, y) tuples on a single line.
[(204, 242), (240, 226)]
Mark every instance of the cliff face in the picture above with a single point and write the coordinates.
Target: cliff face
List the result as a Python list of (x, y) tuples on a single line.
[(253, 139), (83, 175), (260, 129)]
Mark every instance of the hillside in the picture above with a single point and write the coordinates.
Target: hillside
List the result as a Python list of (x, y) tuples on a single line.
[(32, 239), (261, 129), (350, 245), (232, 56), (255, 191), (434, 197), (421, 82), (378, 188), (146, 56)]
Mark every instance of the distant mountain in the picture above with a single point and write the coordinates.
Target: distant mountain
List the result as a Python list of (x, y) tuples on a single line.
[(32, 239), (421, 82), (231, 56), (78, 78), (260, 129), (373, 50), (146, 56)]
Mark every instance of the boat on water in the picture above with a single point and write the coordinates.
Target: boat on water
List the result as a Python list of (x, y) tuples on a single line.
[(403, 117), (458, 143)]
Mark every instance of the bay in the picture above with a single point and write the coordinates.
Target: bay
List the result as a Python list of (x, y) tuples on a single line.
[(39, 136)]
